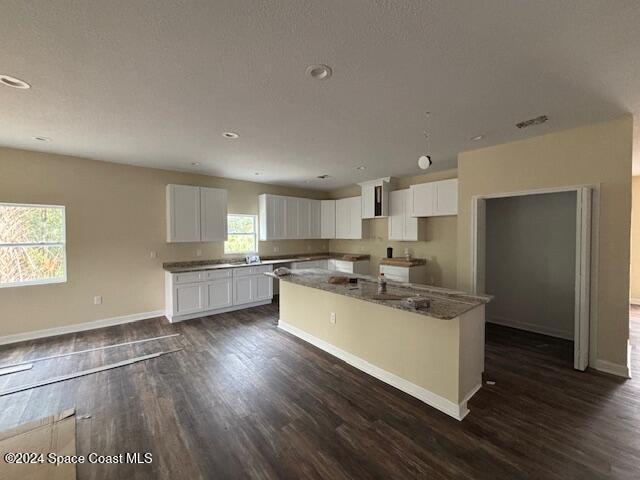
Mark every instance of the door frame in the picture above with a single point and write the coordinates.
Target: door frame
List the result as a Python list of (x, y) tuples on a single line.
[(586, 278)]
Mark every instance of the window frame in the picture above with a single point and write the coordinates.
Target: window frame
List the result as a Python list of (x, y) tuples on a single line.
[(255, 234), (62, 244)]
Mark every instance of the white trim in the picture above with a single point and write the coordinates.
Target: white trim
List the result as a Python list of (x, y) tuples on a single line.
[(531, 327), (79, 327), (612, 368), (634, 301), (594, 250), (457, 411), (206, 313)]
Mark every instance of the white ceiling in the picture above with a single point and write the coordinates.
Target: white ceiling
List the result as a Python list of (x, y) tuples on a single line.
[(156, 83)]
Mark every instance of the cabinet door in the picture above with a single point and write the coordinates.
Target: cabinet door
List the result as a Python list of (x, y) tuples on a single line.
[(397, 214), (183, 213), (291, 220), (343, 218), (278, 215), (355, 227), (447, 197), (328, 219), (213, 214), (243, 290), (422, 200), (304, 218), (190, 298), (343, 266), (410, 224), (264, 287), (368, 201), (219, 293), (315, 220)]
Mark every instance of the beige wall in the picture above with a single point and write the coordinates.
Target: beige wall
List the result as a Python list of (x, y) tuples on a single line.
[(115, 218), (596, 154), (531, 255), (635, 242), (439, 246)]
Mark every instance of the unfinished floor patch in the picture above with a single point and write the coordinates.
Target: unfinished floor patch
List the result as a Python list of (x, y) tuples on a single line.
[(53, 434)]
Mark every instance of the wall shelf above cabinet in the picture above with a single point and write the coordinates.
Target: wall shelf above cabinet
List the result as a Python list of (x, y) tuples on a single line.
[(434, 199), (375, 197), (196, 214)]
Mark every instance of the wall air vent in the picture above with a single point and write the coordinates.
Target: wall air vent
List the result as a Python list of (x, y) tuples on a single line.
[(533, 121), (323, 176)]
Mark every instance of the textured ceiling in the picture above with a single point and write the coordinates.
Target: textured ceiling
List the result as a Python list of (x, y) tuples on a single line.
[(156, 83)]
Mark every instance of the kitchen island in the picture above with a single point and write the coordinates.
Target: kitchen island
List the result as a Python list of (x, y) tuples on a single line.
[(435, 354)]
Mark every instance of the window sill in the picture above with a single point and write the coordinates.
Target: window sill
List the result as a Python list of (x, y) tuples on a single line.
[(33, 282)]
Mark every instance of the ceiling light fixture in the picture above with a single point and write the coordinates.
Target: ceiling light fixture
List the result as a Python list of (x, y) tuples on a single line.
[(14, 82), (361, 167), (195, 164), (230, 135), (42, 139), (424, 161), (256, 173), (319, 71), (476, 138)]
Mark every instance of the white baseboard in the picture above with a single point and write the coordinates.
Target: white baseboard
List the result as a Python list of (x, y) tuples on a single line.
[(531, 327), (457, 411), (79, 327), (612, 368)]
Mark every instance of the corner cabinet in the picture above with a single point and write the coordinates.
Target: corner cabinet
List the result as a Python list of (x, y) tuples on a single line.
[(434, 199), (196, 214), (196, 294), (284, 218)]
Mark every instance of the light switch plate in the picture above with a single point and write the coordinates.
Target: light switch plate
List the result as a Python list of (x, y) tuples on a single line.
[(332, 317)]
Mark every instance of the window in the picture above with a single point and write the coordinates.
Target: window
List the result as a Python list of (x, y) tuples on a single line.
[(32, 244), (242, 237)]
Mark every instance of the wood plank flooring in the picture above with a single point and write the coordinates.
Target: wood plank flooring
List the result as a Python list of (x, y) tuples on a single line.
[(245, 400)]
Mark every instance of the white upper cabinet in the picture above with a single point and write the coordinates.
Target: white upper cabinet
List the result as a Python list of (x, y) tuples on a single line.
[(315, 219), (196, 214), (434, 199), (328, 218), (375, 197), (402, 226), (288, 217), (349, 218), (213, 214)]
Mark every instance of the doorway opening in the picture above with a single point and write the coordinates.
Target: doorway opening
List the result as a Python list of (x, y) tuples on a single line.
[(532, 251)]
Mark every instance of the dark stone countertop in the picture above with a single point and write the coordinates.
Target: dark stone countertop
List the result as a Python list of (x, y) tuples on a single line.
[(445, 304)]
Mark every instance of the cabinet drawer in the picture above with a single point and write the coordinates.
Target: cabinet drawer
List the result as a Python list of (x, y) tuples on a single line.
[(257, 270), (395, 273), (187, 277), (216, 274)]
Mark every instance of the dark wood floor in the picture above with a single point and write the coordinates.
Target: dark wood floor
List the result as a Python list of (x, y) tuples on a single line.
[(245, 400)]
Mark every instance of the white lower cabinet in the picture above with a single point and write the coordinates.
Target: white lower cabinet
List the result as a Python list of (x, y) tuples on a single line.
[(216, 291), (345, 266), (414, 274)]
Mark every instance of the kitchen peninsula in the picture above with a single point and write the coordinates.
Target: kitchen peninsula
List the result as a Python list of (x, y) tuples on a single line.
[(435, 354)]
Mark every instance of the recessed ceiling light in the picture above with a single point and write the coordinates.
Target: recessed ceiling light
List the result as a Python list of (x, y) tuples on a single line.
[(230, 135), (361, 167), (477, 137), (319, 71), (195, 164), (14, 82), (42, 139)]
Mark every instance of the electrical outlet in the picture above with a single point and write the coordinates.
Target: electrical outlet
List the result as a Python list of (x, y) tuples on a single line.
[(276, 249), (153, 254), (308, 248), (332, 317), (198, 253), (97, 300)]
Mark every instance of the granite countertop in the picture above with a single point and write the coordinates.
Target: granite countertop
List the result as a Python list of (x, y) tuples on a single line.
[(445, 304), (403, 262), (238, 262)]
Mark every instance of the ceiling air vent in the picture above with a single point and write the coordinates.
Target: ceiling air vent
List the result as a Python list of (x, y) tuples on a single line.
[(533, 121), (323, 176)]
